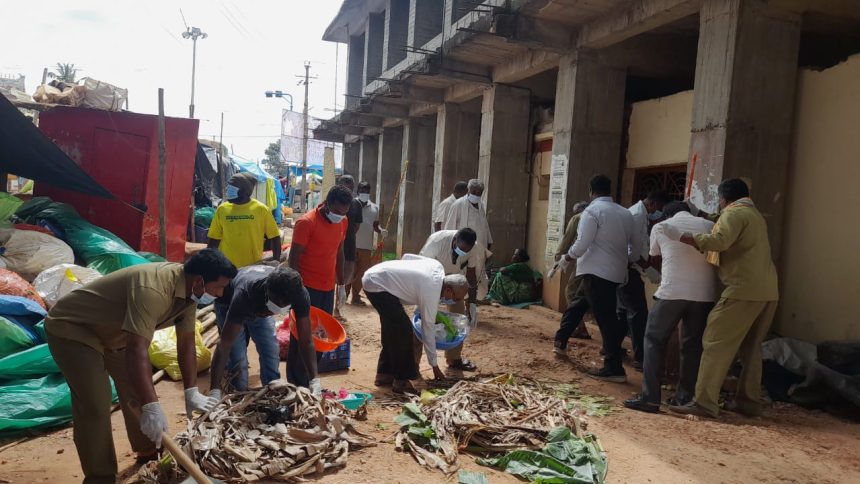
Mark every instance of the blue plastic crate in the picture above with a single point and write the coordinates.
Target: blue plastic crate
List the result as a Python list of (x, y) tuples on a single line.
[(336, 359)]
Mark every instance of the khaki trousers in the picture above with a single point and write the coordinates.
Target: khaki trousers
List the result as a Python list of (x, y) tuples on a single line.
[(86, 370), (734, 327), (453, 354), (362, 264)]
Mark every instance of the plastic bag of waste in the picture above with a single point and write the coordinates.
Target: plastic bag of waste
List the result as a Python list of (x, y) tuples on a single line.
[(163, 353), (450, 329), (12, 284), (29, 252), (56, 282)]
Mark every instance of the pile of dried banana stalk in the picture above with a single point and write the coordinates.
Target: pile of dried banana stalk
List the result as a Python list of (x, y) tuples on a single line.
[(281, 432), (485, 417)]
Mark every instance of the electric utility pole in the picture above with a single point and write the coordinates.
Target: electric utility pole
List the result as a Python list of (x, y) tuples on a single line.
[(306, 81)]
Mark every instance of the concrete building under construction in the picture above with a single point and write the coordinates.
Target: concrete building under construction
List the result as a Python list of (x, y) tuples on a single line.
[(535, 96)]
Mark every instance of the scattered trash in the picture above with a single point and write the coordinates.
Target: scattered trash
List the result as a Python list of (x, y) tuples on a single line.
[(565, 458), (56, 282), (235, 442), (498, 415)]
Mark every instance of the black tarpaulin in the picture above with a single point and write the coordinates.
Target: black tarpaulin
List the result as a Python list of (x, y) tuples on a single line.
[(27, 152)]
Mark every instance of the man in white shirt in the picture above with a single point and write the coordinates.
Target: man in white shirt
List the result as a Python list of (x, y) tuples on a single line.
[(687, 291), (470, 212), (602, 250), (413, 280), (632, 305), (459, 254), (460, 190), (364, 241)]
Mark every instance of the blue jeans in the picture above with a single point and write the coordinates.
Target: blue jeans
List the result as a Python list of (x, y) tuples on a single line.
[(262, 331), (297, 373)]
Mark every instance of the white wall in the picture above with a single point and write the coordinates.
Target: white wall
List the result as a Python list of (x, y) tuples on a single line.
[(820, 270), (660, 131)]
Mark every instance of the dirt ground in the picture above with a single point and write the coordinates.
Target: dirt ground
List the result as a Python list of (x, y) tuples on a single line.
[(788, 444)]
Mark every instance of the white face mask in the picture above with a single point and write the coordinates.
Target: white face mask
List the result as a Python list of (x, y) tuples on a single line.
[(448, 302), (275, 309), (474, 198), (334, 218), (364, 197), (205, 299)]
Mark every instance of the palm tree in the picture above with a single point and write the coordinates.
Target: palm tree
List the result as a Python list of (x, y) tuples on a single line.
[(64, 72)]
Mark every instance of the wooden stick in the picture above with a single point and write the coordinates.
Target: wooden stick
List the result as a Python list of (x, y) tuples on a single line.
[(183, 459), (162, 183), (14, 443), (391, 209)]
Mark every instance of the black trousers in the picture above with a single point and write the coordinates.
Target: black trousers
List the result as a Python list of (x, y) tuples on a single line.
[(662, 321), (396, 357), (633, 311), (599, 295)]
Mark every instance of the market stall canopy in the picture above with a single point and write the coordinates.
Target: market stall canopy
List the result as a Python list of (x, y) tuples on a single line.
[(27, 152)]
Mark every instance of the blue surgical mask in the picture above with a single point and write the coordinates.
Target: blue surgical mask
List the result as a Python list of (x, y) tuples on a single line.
[(474, 198), (447, 301), (205, 299), (334, 218), (460, 252), (232, 192), (364, 197), (657, 215), (275, 309)]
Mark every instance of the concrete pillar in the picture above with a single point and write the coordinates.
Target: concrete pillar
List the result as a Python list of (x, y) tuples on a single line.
[(415, 210), (456, 158), (396, 32), (373, 47), (369, 162), (743, 104), (354, 70), (425, 21), (589, 112), (351, 154), (503, 166), (387, 179)]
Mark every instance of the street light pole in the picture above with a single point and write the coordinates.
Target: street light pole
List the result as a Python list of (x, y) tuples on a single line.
[(282, 95), (193, 33)]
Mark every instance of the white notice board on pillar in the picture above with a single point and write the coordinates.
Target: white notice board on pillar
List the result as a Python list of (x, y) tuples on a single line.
[(556, 210)]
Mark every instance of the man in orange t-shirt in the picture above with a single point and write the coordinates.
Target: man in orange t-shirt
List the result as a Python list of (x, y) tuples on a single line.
[(317, 247)]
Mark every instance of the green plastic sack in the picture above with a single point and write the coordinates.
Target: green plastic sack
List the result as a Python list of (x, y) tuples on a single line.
[(100, 249), (37, 402), (34, 362), (203, 216), (152, 257), (8, 205), (13, 338)]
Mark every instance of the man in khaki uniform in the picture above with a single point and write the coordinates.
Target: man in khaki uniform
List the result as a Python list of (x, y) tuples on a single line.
[(573, 282), (104, 329), (738, 245)]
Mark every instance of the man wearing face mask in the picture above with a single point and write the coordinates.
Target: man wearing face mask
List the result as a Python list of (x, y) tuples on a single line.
[(317, 248), (242, 225), (417, 281), (355, 218), (632, 308), (458, 253), (249, 303), (470, 212), (364, 241), (105, 328)]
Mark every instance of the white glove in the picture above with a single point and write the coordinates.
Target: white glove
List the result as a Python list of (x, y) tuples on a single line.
[(564, 263), (153, 422), (216, 394), (383, 233), (473, 315), (315, 387), (197, 402), (341, 296)]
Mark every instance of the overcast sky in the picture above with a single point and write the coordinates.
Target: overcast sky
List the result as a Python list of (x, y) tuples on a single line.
[(253, 46)]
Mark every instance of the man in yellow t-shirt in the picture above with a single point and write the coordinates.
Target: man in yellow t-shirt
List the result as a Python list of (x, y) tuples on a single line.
[(241, 225)]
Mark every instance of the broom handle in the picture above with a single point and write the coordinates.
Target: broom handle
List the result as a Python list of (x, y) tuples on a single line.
[(182, 458), (393, 204)]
